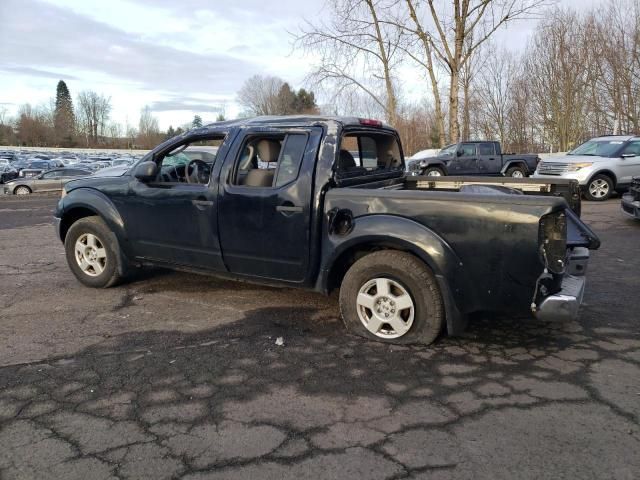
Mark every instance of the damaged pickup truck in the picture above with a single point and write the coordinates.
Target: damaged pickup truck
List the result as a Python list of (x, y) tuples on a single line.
[(285, 202)]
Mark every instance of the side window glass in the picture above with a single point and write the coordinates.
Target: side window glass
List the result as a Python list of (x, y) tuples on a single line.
[(290, 159), (258, 161), (486, 149), (468, 150), (633, 148)]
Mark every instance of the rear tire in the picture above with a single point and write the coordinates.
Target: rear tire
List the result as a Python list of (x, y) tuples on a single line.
[(516, 172), (92, 253), (22, 190), (433, 172), (392, 297), (599, 188)]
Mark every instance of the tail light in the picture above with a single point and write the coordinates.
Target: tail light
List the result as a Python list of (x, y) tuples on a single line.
[(369, 122), (553, 241)]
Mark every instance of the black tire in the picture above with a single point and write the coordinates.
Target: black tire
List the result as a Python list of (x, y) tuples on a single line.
[(23, 187), (409, 272), (599, 188), (516, 170), (433, 171), (94, 226)]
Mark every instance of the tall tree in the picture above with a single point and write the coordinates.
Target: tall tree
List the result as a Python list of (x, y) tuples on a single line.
[(63, 116), (196, 122), (93, 112), (259, 95), (358, 53), (148, 130), (460, 31)]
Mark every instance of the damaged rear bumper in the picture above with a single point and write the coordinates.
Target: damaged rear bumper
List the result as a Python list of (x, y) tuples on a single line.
[(565, 304)]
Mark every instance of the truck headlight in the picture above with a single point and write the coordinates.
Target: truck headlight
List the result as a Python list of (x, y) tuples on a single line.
[(574, 167)]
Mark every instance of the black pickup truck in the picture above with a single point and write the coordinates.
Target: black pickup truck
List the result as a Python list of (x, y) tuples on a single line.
[(475, 158), (284, 202)]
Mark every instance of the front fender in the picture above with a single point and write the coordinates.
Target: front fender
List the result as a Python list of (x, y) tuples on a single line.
[(408, 235), (434, 163), (95, 201)]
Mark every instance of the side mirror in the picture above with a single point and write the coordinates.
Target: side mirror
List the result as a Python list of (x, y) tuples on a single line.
[(628, 155), (459, 153), (146, 171)]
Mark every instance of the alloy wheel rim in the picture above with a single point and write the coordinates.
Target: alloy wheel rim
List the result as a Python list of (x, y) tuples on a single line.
[(517, 174), (434, 173), (599, 188), (90, 254), (385, 308)]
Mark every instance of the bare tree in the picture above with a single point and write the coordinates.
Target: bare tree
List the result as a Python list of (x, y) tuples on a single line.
[(358, 52), (259, 95), (93, 114), (477, 20), (148, 130)]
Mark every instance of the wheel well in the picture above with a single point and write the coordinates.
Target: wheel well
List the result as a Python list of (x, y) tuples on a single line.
[(347, 258), (518, 163), (606, 173), (73, 216), (22, 186)]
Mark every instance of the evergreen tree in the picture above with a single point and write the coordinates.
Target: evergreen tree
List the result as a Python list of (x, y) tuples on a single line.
[(286, 100), (305, 102), (170, 132), (220, 117), (63, 116), (197, 122)]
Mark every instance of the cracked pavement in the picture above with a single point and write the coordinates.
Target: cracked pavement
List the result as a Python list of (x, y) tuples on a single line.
[(178, 376)]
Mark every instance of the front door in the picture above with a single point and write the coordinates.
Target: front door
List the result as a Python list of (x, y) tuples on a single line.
[(172, 220), (48, 181), (265, 204), (466, 160)]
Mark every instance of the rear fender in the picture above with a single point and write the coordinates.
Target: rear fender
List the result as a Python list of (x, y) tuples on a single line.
[(515, 163), (388, 231)]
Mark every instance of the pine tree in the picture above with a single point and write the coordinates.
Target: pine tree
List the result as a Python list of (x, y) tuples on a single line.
[(197, 122), (170, 132), (63, 116), (220, 117)]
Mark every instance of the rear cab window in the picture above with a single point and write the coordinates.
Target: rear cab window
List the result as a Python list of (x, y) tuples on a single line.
[(366, 153)]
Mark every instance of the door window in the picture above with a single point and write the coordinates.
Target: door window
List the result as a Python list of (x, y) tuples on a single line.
[(52, 175), (632, 148), (270, 161), (468, 149), (486, 149)]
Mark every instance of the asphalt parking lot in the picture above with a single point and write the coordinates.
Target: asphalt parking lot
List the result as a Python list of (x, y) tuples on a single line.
[(179, 376)]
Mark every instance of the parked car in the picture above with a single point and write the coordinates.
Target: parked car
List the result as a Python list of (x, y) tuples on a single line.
[(36, 167), (601, 166), (50, 181), (285, 204), (122, 162), (7, 173), (475, 158), (631, 199)]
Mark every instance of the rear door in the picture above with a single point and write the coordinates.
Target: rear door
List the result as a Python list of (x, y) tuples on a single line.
[(629, 167), (489, 161), (265, 225)]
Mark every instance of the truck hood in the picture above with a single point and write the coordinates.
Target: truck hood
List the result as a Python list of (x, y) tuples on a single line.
[(574, 159)]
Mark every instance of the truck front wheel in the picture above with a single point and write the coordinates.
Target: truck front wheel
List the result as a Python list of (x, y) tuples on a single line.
[(393, 297), (433, 172), (92, 253)]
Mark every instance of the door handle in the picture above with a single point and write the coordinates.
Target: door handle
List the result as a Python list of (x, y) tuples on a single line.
[(288, 209), (202, 203)]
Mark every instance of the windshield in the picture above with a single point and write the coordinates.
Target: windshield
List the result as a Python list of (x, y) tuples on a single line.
[(175, 160), (449, 150), (598, 148)]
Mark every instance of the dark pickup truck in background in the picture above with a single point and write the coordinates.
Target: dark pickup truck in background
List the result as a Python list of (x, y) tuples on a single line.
[(475, 158), (284, 202)]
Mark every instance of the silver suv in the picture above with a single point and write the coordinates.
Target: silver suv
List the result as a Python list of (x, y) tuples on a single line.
[(600, 166)]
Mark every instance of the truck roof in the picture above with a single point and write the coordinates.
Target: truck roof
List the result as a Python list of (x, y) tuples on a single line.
[(296, 120), (623, 138)]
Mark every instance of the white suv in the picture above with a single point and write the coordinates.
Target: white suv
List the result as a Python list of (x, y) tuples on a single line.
[(600, 166)]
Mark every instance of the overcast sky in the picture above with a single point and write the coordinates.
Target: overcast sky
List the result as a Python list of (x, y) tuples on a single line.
[(180, 57)]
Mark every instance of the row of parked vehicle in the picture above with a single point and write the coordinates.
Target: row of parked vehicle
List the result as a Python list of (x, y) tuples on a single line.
[(601, 166), (24, 172)]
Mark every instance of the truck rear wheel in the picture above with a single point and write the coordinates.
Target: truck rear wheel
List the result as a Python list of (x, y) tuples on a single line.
[(516, 172), (92, 253), (393, 297)]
